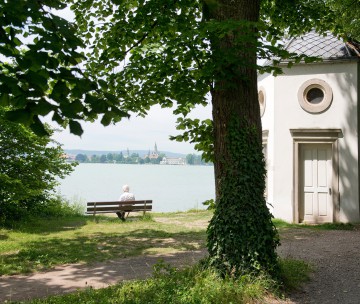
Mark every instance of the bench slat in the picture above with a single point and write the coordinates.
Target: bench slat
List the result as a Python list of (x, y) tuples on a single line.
[(119, 208), (114, 203)]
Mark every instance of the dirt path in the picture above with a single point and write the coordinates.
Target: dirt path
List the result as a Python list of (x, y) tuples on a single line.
[(69, 278), (335, 256)]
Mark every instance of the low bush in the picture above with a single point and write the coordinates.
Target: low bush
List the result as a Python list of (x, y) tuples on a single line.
[(40, 207), (58, 206)]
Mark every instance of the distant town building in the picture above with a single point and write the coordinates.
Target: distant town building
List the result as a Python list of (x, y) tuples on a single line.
[(173, 161), (69, 157), (154, 154)]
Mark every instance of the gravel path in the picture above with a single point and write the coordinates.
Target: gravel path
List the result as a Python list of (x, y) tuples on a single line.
[(335, 256)]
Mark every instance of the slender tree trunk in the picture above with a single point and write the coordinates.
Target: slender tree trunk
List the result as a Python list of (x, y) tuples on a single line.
[(241, 236)]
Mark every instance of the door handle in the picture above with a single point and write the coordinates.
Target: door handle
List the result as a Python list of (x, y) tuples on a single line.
[(330, 191)]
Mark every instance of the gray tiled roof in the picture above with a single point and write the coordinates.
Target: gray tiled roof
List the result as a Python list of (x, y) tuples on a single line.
[(325, 47)]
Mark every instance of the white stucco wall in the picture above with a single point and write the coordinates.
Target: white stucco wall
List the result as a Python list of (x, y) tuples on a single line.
[(267, 120), (286, 113)]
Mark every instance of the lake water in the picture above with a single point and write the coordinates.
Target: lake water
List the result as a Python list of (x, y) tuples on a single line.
[(172, 188)]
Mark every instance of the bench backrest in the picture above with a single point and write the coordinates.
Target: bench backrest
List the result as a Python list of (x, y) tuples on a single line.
[(127, 206)]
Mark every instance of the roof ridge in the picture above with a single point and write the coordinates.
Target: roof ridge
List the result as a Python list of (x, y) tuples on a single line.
[(322, 45), (290, 41)]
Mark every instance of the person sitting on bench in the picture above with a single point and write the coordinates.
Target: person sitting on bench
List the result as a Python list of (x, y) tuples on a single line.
[(126, 196)]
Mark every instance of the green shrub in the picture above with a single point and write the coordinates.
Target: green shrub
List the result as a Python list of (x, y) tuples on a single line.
[(210, 203), (58, 206), (40, 207)]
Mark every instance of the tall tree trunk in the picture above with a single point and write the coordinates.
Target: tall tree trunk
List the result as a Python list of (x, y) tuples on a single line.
[(236, 92), (241, 236)]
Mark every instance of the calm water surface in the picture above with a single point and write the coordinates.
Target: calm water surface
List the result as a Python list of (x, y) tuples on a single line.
[(172, 188)]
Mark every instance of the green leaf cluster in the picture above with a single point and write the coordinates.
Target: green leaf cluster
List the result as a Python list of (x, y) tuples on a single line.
[(30, 167), (165, 52), (198, 132), (40, 72), (140, 53), (241, 235), (347, 14), (148, 52)]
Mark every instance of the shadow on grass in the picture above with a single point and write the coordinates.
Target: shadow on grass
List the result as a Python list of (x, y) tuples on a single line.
[(3, 237), (49, 225), (42, 255), (85, 276)]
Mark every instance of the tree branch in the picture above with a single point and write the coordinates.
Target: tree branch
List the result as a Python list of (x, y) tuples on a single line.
[(142, 38)]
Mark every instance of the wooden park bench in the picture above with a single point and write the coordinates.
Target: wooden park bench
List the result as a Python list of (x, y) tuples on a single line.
[(119, 207)]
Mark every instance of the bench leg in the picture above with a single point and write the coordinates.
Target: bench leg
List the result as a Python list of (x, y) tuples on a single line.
[(121, 215)]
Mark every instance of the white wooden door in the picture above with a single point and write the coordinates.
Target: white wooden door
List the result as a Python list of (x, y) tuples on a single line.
[(315, 190)]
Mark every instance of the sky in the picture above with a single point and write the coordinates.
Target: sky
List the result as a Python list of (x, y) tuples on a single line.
[(136, 133)]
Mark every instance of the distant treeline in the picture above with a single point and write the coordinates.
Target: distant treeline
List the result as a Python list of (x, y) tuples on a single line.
[(193, 159), (118, 158), (134, 158)]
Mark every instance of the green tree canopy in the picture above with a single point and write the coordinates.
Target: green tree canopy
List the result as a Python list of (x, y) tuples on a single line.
[(347, 14), (29, 167), (40, 72)]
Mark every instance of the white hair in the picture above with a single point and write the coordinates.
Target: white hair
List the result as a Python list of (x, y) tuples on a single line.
[(126, 188)]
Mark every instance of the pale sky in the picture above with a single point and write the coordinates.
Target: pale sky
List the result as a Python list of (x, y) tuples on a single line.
[(136, 133)]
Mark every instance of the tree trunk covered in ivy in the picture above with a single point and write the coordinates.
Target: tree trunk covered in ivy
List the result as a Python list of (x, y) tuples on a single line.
[(241, 236)]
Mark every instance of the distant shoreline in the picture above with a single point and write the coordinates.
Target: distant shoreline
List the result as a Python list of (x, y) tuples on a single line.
[(145, 164), (130, 157)]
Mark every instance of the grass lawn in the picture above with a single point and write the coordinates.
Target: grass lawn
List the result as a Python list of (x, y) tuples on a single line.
[(41, 244)]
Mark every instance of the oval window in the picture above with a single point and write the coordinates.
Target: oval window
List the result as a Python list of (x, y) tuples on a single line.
[(261, 98), (315, 96)]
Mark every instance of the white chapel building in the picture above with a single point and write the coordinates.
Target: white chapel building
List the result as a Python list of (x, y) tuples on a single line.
[(310, 120)]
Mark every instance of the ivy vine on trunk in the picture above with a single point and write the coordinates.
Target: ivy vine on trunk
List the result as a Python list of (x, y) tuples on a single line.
[(241, 235)]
